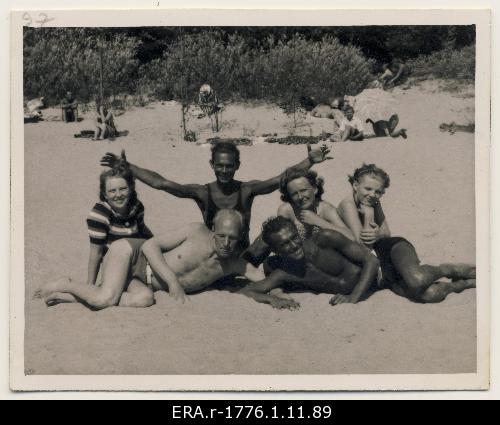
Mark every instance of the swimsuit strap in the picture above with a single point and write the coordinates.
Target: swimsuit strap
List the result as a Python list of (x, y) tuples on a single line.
[(239, 204), (210, 209)]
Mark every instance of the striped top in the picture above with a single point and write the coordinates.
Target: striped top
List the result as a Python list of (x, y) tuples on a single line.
[(105, 226)]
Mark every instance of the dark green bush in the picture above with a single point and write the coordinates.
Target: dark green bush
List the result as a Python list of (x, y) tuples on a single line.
[(60, 59), (447, 63)]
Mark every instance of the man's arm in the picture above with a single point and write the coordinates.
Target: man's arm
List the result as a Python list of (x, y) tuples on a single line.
[(315, 156), (398, 74), (259, 291), (356, 254), (245, 269), (154, 179), (154, 248)]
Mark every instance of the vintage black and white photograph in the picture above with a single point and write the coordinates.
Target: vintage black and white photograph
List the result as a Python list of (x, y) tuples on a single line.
[(252, 199)]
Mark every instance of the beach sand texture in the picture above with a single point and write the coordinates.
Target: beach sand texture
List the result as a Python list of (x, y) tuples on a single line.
[(430, 202)]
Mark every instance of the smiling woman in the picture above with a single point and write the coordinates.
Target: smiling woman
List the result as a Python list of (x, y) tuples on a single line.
[(117, 231), (302, 192)]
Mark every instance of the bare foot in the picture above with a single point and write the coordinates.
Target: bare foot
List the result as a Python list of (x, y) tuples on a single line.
[(459, 271), (59, 298), (471, 283), (49, 288)]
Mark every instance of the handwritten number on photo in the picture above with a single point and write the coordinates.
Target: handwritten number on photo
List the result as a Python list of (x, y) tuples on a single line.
[(43, 19)]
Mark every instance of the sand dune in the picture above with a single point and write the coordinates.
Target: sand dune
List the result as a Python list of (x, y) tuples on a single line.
[(431, 202)]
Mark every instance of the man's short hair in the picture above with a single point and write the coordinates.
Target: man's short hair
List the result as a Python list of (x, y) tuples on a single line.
[(275, 225), (233, 214), (226, 147), (294, 174)]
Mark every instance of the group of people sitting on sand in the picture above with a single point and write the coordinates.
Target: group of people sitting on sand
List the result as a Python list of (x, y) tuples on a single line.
[(310, 245), (350, 127)]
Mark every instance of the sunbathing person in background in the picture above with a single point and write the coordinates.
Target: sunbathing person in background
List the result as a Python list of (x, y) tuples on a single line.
[(385, 128), (69, 107), (399, 72), (105, 124), (400, 265), (386, 75), (351, 127)]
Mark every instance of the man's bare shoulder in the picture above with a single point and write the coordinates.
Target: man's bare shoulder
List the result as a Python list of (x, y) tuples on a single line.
[(197, 230), (325, 238)]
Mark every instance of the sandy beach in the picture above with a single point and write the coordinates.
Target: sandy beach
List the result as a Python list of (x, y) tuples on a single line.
[(430, 202)]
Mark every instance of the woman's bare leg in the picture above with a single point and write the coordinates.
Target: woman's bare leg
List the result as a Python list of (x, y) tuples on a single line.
[(137, 295), (115, 275)]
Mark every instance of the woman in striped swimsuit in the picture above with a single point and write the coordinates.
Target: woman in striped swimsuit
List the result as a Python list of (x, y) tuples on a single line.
[(117, 231)]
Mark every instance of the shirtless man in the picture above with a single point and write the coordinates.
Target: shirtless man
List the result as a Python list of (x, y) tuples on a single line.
[(193, 257), (225, 192), (328, 262), (186, 260)]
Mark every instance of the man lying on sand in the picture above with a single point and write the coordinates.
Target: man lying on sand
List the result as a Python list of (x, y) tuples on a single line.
[(330, 263), (186, 260), (192, 258), (225, 192), (327, 262)]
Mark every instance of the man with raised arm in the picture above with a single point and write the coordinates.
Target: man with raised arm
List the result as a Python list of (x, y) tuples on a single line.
[(225, 192)]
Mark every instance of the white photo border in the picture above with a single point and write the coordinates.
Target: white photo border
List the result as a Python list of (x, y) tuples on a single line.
[(159, 17)]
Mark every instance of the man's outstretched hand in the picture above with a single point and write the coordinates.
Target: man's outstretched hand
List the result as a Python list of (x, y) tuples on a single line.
[(112, 160), (317, 156)]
